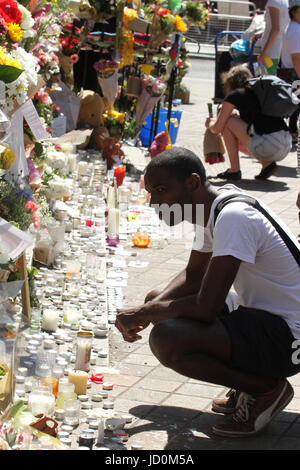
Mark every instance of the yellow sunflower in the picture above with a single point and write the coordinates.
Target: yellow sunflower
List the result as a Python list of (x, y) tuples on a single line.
[(15, 32), (5, 59)]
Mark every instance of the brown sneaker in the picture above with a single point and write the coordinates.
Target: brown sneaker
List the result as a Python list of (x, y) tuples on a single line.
[(253, 414), (226, 405)]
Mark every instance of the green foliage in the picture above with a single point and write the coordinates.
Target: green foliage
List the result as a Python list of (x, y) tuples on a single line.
[(9, 74), (12, 205)]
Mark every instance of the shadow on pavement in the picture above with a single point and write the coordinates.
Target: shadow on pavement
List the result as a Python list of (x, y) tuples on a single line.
[(253, 185), (285, 172), (176, 428)]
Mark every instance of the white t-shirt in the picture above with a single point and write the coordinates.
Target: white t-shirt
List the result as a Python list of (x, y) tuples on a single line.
[(268, 277), (282, 5), (290, 44)]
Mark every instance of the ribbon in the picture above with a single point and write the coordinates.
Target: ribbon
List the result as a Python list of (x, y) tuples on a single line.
[(96, 378)]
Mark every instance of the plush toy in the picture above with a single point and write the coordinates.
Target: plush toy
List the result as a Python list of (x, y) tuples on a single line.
[(109, 146), (91, 109), (159, 144)]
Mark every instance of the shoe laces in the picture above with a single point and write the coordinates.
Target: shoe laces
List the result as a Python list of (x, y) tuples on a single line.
[(242, 412), (231, 392)]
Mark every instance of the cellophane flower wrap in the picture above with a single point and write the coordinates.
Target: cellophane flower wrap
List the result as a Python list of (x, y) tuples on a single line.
[(152, 90), (9, 331), (107, 74), (16, 92)]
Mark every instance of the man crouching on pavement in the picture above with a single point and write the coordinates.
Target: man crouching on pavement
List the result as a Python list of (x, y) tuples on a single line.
[(250, 350)]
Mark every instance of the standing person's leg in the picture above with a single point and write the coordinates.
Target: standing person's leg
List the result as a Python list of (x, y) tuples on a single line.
[(235, 138)]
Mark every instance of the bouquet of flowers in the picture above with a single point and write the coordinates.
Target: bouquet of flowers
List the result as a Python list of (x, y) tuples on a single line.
[(114, 123), (152, 90), (17, 205), (195, 13), (18, 80), (105, 68), (69, 45), (107, 74), (164, 23), (48, 63)]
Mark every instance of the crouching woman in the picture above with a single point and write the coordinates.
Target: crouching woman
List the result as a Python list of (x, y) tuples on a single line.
[(265, 138)]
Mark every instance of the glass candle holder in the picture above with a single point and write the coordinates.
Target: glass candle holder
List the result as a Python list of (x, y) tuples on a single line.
[(72, 411), (41, 400)]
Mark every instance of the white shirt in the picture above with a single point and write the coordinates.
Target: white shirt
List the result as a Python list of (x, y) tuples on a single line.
[(284, 19), (290, 44), (268, 277)]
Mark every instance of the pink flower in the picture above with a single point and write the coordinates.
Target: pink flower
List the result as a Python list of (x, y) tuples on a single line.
[(34, 175), (74, 58), (54, 57), (30, 205), (88, 223)]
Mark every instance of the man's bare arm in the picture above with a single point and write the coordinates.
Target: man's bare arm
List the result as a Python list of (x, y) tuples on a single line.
[(205, 306)]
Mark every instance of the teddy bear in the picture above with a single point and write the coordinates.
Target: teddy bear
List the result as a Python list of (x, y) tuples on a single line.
[(92, 107), (109, 146)]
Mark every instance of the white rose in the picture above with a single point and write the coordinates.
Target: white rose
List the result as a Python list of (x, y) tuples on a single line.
[(27, 21)]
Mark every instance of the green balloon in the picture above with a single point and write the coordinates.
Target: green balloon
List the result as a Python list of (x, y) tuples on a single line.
[(174, 5)]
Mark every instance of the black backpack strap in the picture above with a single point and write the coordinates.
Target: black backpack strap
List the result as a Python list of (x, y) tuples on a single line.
[(294, 249)]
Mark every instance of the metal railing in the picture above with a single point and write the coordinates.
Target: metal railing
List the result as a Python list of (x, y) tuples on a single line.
[(228, 15)]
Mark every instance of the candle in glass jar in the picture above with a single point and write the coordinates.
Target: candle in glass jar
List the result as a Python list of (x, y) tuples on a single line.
[(113, 222), (82, 168), (50, 320), (79, 379), (83, 350)]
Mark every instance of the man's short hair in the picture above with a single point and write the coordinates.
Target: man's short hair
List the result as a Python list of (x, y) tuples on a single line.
[(180, 163)]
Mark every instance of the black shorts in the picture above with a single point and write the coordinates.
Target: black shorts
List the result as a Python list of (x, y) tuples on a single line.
[(261, 343)]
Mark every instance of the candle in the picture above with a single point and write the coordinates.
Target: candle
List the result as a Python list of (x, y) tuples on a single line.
[(100, 437), (111, 199), (50, 320), (79, 379), (82, 168), (83, 350), (119, 174), (113, 222)]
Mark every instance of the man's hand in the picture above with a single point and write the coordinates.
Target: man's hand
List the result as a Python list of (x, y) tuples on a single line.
[(261, 58), (131, 321)]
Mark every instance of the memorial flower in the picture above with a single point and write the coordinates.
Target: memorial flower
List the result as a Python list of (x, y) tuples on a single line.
[(14, 31), (10, 12)]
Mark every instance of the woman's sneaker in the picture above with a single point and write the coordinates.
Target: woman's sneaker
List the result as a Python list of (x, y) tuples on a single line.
[(226, 405), (254, 413)]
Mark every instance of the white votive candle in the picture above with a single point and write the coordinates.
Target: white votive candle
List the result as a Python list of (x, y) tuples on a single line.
[(50, 320)]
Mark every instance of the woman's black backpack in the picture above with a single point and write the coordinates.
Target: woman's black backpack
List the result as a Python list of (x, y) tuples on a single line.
[(276, 97)]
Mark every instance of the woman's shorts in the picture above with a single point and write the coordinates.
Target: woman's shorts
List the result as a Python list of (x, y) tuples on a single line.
[(271, 147), (261, 343)]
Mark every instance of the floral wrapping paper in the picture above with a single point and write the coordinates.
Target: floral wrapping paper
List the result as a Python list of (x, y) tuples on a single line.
[(109, 87), (145, 105)]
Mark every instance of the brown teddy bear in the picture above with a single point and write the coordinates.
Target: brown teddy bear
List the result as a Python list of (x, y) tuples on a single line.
[(91, 109)]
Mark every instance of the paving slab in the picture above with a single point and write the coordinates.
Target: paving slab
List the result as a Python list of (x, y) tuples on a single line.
[(173, 412)]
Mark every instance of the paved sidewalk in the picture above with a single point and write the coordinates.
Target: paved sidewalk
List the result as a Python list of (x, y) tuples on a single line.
[(171, 411)]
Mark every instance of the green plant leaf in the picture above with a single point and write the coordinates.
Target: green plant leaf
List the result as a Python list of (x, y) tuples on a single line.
[(38, 149), (9, 74)]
